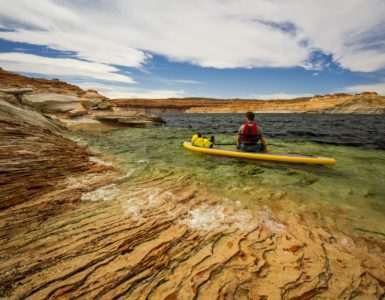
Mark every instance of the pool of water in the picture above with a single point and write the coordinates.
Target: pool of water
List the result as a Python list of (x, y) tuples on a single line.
[(349, 196)]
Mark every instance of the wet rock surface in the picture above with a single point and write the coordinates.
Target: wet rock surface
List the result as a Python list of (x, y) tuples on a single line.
[(167, 240)]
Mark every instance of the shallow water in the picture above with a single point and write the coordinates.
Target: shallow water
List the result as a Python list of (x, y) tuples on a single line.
[(349, 196)]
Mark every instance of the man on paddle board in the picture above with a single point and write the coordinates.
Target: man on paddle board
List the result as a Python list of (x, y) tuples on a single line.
[(250, 136)]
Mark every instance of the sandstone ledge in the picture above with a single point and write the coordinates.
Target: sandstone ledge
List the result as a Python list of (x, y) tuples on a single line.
[(68, 105)]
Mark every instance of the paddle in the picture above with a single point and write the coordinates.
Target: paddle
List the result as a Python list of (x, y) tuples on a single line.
[(225, 144), (233, 144)]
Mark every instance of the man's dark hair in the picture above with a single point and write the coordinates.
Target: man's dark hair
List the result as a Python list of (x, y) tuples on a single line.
[(250, 115)]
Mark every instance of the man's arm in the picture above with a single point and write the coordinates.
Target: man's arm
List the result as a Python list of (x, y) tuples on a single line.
[(263, 141), (240, 131), (264, 144)]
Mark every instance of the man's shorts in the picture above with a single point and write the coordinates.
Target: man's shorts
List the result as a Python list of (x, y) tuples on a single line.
[(250, 148)]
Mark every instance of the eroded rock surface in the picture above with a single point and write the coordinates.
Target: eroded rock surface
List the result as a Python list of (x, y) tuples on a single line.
[(51, 103), (72, 227), (161, 239), (74, 108), (34, 156)]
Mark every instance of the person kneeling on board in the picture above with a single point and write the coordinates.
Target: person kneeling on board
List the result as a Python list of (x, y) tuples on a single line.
[(249, 136), (201, 141)]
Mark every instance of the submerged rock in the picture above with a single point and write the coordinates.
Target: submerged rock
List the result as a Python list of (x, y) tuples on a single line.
[(170, 239)]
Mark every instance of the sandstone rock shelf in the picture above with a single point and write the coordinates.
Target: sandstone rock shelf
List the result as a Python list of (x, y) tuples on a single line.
[(71, 226), (137, 246), (70, 106)]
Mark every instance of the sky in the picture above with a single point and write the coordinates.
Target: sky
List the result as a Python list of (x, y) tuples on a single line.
[(263, 49)]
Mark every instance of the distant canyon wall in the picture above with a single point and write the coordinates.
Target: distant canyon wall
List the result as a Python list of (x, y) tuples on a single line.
[(364, 103)]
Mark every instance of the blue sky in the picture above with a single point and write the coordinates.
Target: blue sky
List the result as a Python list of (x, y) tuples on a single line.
[(219, 48)]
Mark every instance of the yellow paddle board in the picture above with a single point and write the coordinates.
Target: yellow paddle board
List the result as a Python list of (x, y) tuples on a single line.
[(263, 156)]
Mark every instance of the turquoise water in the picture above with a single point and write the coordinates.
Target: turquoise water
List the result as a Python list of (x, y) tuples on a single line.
[(349, 196)]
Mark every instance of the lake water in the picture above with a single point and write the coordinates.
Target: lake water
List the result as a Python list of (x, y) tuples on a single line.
[(354, 130), (349, 196)]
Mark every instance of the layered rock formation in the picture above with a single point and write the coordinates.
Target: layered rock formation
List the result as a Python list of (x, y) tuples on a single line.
[(365, 103), (72, 226), (69, 105), (168, 239)]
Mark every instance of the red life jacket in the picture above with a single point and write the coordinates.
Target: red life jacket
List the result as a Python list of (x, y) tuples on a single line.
[(250, 134)]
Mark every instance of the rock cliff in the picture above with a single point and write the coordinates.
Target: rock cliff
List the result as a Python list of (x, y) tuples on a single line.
[(364, 103), (72, 107)]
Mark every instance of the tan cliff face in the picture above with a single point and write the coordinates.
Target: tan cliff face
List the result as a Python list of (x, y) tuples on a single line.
[(67, 104), (365, 103), (14, 80)]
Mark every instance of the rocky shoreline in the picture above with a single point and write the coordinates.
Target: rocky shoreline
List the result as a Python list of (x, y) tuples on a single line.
[(72, 225), (67, 105)]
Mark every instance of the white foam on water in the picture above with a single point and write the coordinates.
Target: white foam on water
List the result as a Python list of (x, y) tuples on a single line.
[(128, 174), (205, 218), (265, 216), (138, 203), (105, 193), (100, 162), (209, 217), (143, 161), (82, 181)]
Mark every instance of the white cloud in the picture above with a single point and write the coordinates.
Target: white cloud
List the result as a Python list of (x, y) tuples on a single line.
[(375, 87), (117, 91), (278, 96), (187, 81), (207, 33), (217, 33), (28, 63)]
